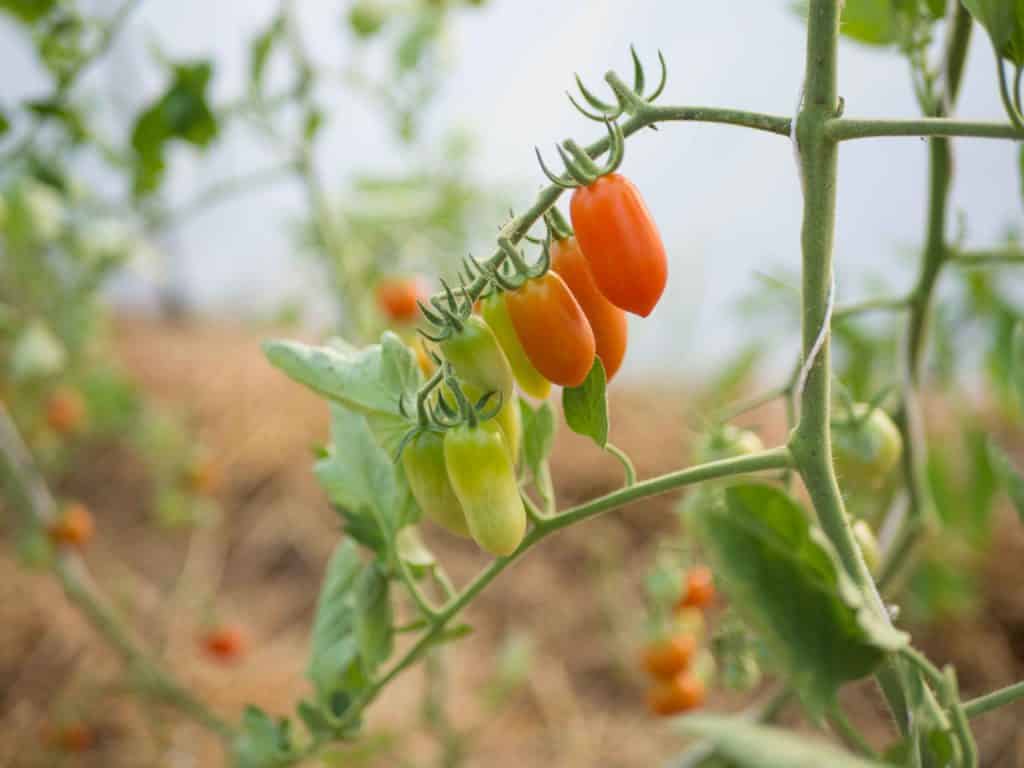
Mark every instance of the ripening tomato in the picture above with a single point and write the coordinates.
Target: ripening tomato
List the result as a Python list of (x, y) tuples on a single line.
[(727, 442), (699, 589), (865, 450), (477, 358), (397, 296), (484, 481), (553, 330), (75, 527), (225, 643), (423, 462), (681, 694), (607, 321), (65, 411), (666, 659), (495, 312), (621, 243)]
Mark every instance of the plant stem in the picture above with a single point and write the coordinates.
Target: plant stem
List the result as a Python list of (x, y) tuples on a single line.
[(844, 129), (27, 486), (849, 733), (994, 256), (994, 700), (625, 461), (895, 304)]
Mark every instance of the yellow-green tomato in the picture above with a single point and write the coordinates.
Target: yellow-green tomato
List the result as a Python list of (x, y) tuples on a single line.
[(484, 481), (509, 418), (865, 450), (495, 313), (727, 442), (425, 469), (477, 358)]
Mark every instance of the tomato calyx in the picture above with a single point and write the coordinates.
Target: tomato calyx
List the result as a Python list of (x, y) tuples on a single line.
[(628, 99), (580, 168)]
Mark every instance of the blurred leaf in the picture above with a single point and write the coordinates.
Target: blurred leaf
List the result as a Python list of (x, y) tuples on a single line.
[(1017, 362), (262, 742), (981, 484), (63, 113), (312, 123), (5, 123), (940, 587), (1003, 20), (37, 352), (749, 745), (726, 384), (868, 21), (1008, 476), (367, 17), (260, 49), (538, 435), (181, 112), (1000, 355), (374, 627), (586, 406), (1020, 170), (28, 10), (785, 581)]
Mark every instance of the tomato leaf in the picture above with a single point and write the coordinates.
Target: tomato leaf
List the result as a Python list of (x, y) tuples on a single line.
[(586, 406), (1003, 20), (375, 623), (785, 581), (1008, 476), (538, 435), (869, 21), (260, 49), (28, 11), (262, 742), (748, 745)]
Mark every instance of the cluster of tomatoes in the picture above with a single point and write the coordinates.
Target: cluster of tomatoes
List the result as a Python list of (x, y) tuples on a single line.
[(677, 686), (533, 330)]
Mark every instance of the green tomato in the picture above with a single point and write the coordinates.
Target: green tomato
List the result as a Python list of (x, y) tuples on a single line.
[(530, 380), (727, 442), (865, 450), (477, 358), (424, 465), (484, 481), (508, 418)]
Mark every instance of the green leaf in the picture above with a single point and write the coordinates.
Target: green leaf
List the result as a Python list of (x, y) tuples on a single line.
[(747, 744), (260, 49), (1008, 476), (869, 21), (262, 742), (538, 435), (28, 10), (375, 624), (784, 579), (5, 123), (586, 406), (1003, 20)]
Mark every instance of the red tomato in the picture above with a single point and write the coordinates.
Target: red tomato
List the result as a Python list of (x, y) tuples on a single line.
[(621, 242), (553, 330), (607, 321), (668, 659), (75, 527), (699, 590), (672, 697), (397, 296), (225, 643)]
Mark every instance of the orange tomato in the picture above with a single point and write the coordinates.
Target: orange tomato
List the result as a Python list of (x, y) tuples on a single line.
[(74, 528), (553, 330), (225, 643), (397, 296), (665, 660), (65, 411), (699, 590), (607, 321), (621, 243), (680, 694)]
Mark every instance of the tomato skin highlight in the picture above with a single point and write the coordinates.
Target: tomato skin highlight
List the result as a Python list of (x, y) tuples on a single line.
[(424, 465), (530, 380), (477, 358), (397, 296), (553, 330), (484, 481), (607, 321), (621, 242), (864, 454), (699, 590), (681, 694), (667, 659)]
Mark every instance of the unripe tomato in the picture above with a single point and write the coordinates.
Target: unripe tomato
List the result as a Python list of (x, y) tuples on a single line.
[(699, 589), (75, 527), (727, 442), (553, 330), (397, 296), (868, 545), (666, 659), (508, 418), (865, 452), (607, 321), (672, 697), (423, 462), (477, 358), (484, 481), (621, 243), (225, 643), (65, 411), (495, 312)]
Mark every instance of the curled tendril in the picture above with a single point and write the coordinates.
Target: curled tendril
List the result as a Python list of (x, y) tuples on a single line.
[(628, 100)]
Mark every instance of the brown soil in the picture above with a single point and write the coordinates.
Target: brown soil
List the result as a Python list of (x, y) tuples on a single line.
[(577, 597)]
